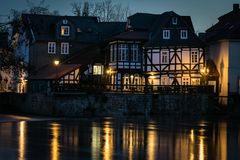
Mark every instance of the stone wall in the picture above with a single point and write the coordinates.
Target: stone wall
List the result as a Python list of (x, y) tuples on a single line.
[(107, 104)]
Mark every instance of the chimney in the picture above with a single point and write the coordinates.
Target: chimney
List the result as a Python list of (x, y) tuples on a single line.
[(235, 7)]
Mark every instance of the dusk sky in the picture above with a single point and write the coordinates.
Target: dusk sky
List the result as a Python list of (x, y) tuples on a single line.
[(204, 13)]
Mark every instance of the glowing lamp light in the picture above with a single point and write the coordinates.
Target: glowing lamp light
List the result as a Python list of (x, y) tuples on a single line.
[(56, 62), (109, 71)]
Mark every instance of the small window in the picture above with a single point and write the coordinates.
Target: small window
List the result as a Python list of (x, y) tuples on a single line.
[(174, 20), (51, 47), (194, 57), (64, 48), (98, 69), (135, 54), (185, 81), (166, 34), (184, 34), (65, 21), (164, 57), (123, 52), (65, 30), (113, 52)]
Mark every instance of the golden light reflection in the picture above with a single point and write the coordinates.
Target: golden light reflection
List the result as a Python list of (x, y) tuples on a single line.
[(201, 148), (55, 127), (152, 142), (96, 141), (22, 140), (192, 142), (108, 147), (202, 145), (192, 136), (222, 141)]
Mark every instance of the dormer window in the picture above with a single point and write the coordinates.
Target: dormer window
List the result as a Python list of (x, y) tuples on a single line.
[(65, 30), (166, 34), (174, 20), (184, 34), (65, 21)]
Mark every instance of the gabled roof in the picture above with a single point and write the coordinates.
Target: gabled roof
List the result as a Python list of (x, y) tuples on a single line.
[(149, 27), (88, 55), (109, 29), (132, 35), (91, 30), (142, 21), (51, 72), (227, 27)]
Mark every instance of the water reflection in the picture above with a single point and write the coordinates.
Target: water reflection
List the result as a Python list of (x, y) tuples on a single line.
[(96, 141), (120, 139), (152, 141), (108, 146), (22, 140), (55, 146)]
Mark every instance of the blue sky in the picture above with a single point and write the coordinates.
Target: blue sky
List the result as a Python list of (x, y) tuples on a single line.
[(204, 13)]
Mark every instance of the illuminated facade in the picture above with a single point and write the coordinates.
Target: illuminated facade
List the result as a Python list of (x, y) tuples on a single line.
[(224, 48), (161, 50)]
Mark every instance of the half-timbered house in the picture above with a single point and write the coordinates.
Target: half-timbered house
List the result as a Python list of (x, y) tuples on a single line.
[(156, 49), (125, 67), (174, 55)]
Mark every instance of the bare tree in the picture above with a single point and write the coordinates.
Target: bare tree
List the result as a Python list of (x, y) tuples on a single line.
[(106, 10), (85, 11), (76, 8)]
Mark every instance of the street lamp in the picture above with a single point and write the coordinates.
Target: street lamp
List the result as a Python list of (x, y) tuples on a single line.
[(56, 62)]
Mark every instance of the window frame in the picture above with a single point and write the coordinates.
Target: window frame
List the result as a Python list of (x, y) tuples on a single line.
[(64, 48), (63, 30), (123, 52), (166, 34), (164, 57), (194, 57), (135, 53), (184, 34), (97, 69), (174, 20), (51, 47)]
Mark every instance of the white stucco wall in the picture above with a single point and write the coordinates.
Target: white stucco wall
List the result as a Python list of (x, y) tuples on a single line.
[(219, 53)]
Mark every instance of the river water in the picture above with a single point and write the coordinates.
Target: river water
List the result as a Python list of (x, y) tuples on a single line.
[(121, 138)]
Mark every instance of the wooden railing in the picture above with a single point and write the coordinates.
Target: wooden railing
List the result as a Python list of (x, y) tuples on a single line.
[(158, 89)]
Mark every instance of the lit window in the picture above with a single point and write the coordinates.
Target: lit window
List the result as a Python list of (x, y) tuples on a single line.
[(64, 48), (135, 54), (65, 30), (194, 57), (97, 69), (166, 34), (174, 20), (123, 52), (51, 47), (184, 34), (164, 57), (113, 53)]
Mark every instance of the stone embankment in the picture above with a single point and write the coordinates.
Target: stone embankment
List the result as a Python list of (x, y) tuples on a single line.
[(105, 104)]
